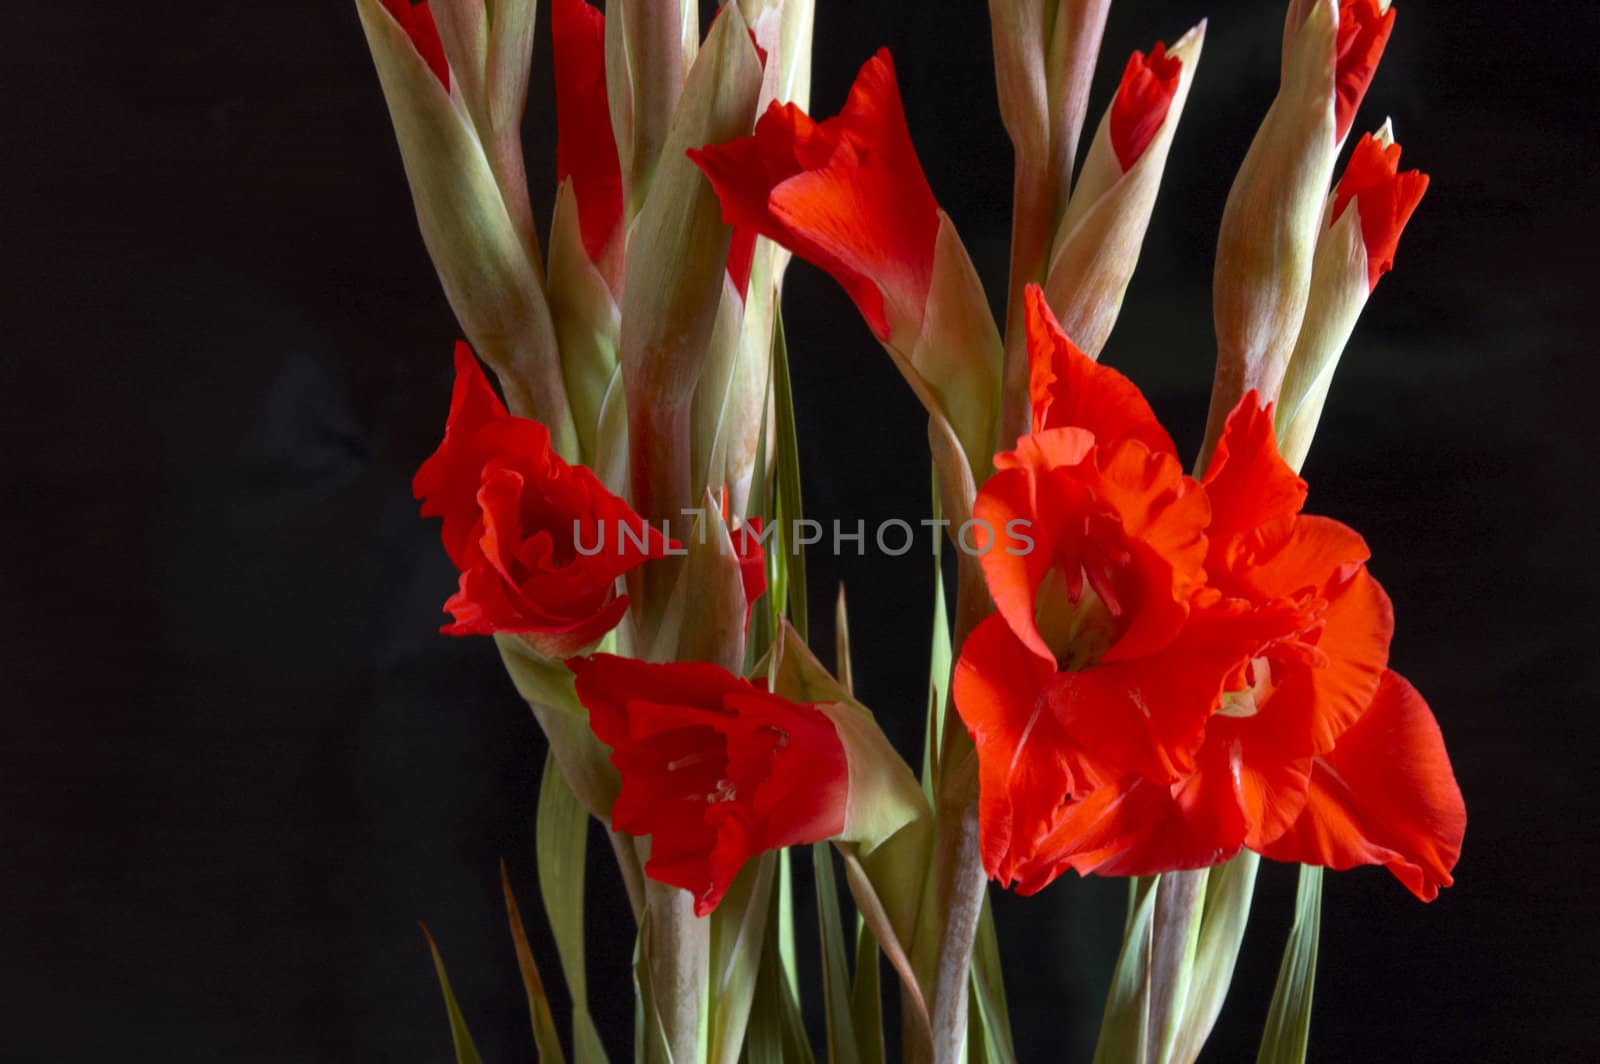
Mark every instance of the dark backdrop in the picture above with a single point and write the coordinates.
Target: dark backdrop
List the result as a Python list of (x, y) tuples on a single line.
[(237, 763)]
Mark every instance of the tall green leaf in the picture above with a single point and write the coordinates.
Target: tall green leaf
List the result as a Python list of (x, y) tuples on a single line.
[(1289, 1018), (789, 508), (1229, 889), (545, 1038), (841, 644), (786, 941), (738, 940), (466, 1051), (866, 996), (561, 844), (1125, 1025), (989, 992), (776, 1034), (835, 968)]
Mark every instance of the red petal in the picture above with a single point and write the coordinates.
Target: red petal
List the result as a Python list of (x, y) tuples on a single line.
[(1385, 199), (752, 562), (1385, 795), (741, 257), (1024, 772), (848, 196), (586, 150), (1068, 388), (447, 482), (1142, 102), (1131, 828), (1248, 482), (1364, 29)]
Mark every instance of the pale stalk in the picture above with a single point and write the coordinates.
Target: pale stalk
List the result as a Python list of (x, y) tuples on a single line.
[(1054, 43), (961, 880), (678, 952)]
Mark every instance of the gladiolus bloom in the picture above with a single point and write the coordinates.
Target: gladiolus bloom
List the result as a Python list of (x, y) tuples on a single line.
[(715, 769), (1321, 646), (1384, 197), (540, 543), (1149, 84), (1364, 28), (1090, 663), (586, 149), (1175, 667), (1309, 699), (847, 194), (417, 21)]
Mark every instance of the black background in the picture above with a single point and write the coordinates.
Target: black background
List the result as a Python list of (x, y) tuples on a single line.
[(237, 763)]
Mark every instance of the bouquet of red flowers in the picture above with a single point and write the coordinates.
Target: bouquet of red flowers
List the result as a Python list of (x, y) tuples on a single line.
[(1147, 673)]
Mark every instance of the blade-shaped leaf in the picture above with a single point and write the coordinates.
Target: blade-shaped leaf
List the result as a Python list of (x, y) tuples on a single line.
[(841, 644), (545, 1037), (835, 968), (866, 997), (790, 510), (1229, 889), (561, 842), (1125, 1022), (882, 923), (1289, 1018), (466, 1051), (776, 1034), (989, 992), (787, 949), (738, 939)]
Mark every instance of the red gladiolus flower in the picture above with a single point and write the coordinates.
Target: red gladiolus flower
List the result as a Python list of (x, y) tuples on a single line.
[(1385, 794), (586, 150), (417, 21), (714, 768), (1384, 198), (540, 543), (1178, 670), (1090, 666), (1149, 84), (1315, 675), (1364, 29), (847, 195)]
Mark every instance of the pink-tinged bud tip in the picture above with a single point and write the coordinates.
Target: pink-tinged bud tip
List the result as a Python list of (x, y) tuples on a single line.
[(418, 23), (1149, 84), (1384, 197), (1364, 28)]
